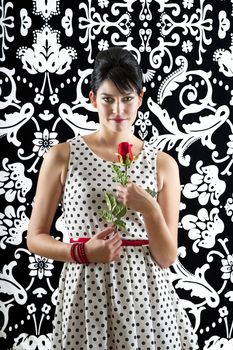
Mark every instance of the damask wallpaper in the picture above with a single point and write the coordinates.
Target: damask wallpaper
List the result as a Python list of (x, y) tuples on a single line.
[(185, 49)]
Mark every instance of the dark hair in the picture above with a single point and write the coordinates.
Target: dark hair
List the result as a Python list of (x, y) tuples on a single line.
[(119, 66)]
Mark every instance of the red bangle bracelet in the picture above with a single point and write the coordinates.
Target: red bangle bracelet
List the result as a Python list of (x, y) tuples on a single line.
[(82, 253), (72, 251), (77, 252)]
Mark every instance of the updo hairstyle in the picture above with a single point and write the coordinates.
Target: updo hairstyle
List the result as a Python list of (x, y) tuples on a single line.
[(119, 66)]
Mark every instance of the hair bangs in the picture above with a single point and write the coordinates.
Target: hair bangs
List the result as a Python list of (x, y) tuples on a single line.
[(121, 79)]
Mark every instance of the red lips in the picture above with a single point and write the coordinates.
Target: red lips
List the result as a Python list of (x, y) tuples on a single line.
[(118, 120)]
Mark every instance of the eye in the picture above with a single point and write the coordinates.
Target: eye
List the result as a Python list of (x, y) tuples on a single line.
[(108, 99), (128, 98)]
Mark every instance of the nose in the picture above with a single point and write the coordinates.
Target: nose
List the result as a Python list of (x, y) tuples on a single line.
[(117, 107)]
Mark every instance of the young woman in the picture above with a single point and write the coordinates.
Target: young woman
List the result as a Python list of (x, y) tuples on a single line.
[(112, 296)]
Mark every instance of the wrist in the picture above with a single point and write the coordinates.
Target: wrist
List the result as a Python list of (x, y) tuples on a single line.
[(149, 209)]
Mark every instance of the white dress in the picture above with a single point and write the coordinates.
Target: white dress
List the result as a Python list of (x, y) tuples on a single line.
[(129, 304)]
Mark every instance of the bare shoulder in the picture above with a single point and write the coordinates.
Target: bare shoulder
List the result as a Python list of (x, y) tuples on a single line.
[(56, 160), (167, 169), (59, 152), (164, 160)]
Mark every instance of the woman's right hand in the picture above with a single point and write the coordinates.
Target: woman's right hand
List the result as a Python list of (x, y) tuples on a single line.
[(100, 249)]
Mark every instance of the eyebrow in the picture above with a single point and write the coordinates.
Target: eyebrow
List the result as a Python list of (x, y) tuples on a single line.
[(109, 95)]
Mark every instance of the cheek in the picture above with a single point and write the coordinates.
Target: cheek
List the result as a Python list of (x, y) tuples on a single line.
[(102, 109), (133, 110)]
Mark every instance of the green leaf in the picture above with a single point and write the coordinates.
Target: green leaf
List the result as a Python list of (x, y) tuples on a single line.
[(106, 215), (119, 211), (124, 180), (119, 174), (119, 224), (110, 201), (151, 192), (116, 169)]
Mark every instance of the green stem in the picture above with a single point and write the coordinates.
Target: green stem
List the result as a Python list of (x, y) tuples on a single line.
[(126, 174)]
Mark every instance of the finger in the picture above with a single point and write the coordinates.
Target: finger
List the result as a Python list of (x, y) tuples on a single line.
[(115, 238), (102, 234), (117, 255), (120, 188), (117, 244), (120, 198)]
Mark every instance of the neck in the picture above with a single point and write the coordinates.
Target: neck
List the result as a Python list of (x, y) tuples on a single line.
[(112, 139)]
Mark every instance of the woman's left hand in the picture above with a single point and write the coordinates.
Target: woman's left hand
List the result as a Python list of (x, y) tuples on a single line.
[(135, 197)]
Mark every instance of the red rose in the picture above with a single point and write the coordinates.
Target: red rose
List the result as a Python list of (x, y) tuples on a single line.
[(125, 148)]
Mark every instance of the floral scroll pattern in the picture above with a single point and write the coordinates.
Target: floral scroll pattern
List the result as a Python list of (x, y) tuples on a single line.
[(185, 51)]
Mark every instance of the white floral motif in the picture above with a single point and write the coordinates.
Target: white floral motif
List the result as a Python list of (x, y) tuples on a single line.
[(46, 309), (223, 312), (196, 283), (7, 89), (225, 60), (229, 155), (145, 35), (217, 343), (46, 54), (198, 22), (54, 99), (31, 308), (202, 130), (46, 8), (12, 290), (203, 228), (44, 141), (145, 14), (40, 266), (46, 115), (69, 116), (26, 22), (143, 121), (12, 225), (224, 24), (103, 45), (227, 268), (5, 23), (103, 3), (67, 22), (205, 185), (229, 207), (46, 57), (148, 76), (39, 98), (14, 121), (33, 342), (13, 182), (187, 46), (188, 4), (230, 145), (93, 24)]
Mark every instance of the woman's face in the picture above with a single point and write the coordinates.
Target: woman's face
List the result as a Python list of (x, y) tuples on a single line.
[(117, 111)]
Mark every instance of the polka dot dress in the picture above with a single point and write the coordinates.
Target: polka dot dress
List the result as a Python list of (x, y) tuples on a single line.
[(129, 304)]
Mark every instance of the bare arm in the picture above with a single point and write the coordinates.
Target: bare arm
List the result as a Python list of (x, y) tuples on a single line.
[(161, 216), (162, 220), (49, 189)]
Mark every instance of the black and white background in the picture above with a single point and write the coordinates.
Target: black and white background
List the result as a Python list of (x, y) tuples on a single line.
[(185, 49)]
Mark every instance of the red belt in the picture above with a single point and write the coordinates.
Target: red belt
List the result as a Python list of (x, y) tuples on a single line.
[(125, 242)]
